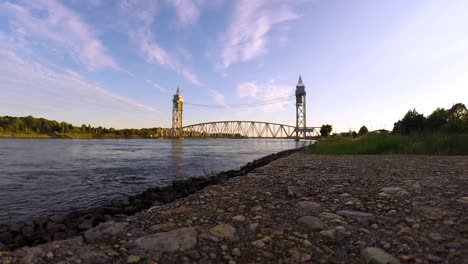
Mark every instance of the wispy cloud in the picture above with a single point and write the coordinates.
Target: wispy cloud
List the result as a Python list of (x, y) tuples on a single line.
[(140, 16), (158, 87), (68, 95), (247, 34), (51, 21), (271, 93), (154, 53), (188, 11)]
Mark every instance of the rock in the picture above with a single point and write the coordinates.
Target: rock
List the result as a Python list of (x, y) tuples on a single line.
[(256, 208), (330, 216), (3, 247), (29, 254), (238, 218), (394, 190), (434, 258), (308, 205), (85, 225), (354, 214), (378, 256), (133, 259), (178, 210), (163, 226), (330, 234), (223, 231), (436, 237), (384, 195), (236, 252), (463, 200), (258, 243), (28, 231), (253, 226), (311, 223), (176, 240), (53, 227), (103, 230), (94, 256), (293, 192)]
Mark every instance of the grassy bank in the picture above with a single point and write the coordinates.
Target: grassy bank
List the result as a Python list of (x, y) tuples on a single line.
[(430, 144)]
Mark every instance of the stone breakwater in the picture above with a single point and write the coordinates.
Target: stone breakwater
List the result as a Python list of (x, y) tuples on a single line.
[(39, 231), (297, 209)]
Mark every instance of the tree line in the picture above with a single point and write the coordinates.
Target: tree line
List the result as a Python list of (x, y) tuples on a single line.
[(40, 126), (449, 121)]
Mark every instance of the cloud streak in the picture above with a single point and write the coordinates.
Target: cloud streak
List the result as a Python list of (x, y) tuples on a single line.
[(51, 21), (41, 90), (247, 35), (188, 11)]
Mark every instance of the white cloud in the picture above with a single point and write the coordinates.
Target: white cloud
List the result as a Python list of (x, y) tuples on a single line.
[(217, 97), (51, 21), (188, 11), (247, 35), (247, 89), (29, 87), (275, 96)]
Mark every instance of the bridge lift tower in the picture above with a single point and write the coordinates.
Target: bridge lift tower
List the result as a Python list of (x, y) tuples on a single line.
[(301, 128), (177, 109)]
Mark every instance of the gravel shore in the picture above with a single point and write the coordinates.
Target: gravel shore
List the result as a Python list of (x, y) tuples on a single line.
[(297, 209)]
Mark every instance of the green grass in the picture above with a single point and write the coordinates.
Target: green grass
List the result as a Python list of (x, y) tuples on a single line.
[(430, 144)]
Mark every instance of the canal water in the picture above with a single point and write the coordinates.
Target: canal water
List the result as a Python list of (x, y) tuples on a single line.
[(45, 177)]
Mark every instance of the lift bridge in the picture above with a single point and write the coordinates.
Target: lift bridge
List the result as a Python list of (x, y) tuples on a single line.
[(245, 129)]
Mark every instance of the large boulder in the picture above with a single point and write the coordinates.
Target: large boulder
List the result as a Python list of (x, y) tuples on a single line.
[(176, 240)]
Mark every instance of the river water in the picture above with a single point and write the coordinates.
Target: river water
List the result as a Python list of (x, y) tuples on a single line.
[(45, 177)]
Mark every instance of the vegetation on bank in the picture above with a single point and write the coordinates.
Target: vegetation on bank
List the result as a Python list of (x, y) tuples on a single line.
[(427, 144), (43, 128), (444, 132)]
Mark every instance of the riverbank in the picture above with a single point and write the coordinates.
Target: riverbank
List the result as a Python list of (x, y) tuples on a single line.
[(300, 208), (59, 227)]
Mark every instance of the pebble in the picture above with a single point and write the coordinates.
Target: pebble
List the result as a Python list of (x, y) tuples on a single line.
[(354, 214), (223, 231), (133, 259), (236, 252), (378, 256), (311, 223), (463, 200), (258, 243), (238, 218), (308, 205)]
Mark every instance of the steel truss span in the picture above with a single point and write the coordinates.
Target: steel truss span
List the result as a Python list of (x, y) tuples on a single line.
[(245, 129)]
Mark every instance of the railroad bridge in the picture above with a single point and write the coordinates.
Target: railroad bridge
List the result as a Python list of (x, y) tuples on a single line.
[(246, 129)]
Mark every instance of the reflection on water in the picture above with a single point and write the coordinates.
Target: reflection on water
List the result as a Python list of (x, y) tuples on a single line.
[(43, 177)]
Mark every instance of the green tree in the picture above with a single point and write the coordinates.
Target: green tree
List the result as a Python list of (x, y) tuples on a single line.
[(457, 119), (437, 120), (325, 130), (412, 122), (363, 131)]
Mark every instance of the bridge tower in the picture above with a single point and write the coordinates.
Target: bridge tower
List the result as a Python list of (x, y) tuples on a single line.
[(177, 109), (300, 109)]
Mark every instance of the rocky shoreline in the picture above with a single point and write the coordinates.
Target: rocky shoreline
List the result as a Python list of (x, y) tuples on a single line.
[(43, 230), (297, 209)]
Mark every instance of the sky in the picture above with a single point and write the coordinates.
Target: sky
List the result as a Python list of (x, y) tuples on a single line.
[(118, 63)]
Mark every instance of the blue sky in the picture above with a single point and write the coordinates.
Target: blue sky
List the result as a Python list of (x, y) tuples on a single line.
[(118, 63)]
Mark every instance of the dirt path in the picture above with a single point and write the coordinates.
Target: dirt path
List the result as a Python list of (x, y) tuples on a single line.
[(298, 209)]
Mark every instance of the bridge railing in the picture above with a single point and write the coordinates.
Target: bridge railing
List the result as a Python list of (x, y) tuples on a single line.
[(245, 129)]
